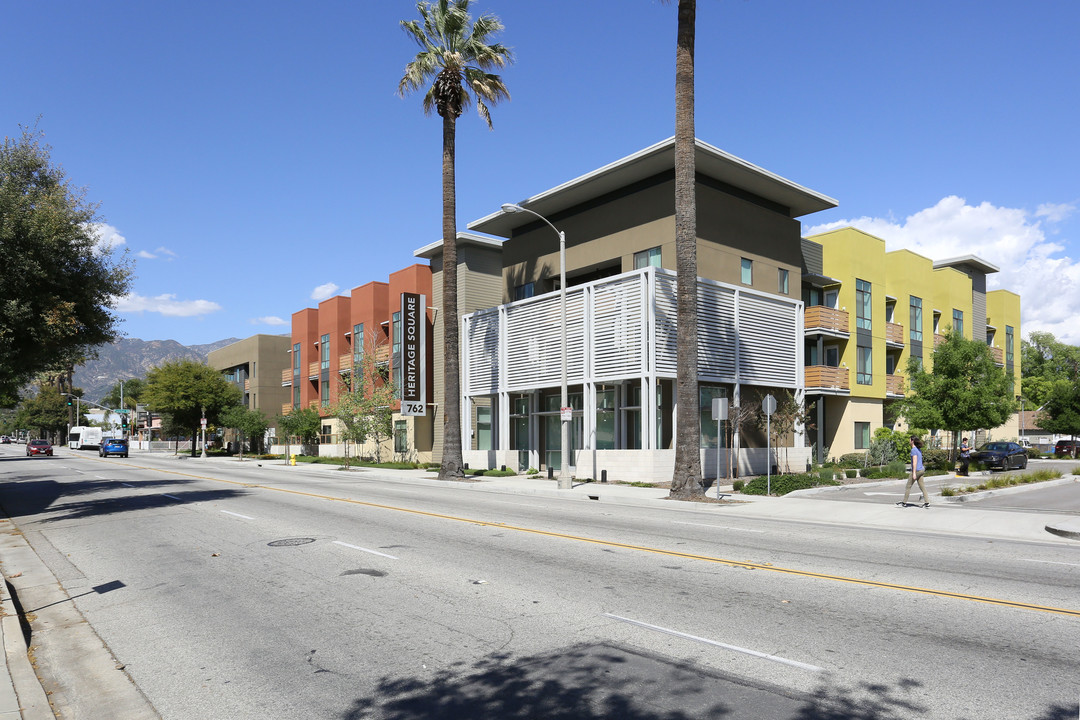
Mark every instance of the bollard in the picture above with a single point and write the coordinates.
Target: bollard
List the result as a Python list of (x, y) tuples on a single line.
[(603, 476), (503, 468), (551, 472)]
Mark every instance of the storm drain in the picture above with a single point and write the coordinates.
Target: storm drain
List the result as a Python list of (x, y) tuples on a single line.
[(290, 542)]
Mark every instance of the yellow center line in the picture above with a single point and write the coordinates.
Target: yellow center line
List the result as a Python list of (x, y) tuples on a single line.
[(645, 548)]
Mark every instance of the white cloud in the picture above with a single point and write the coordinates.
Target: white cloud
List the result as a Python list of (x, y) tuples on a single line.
[(145, 255), (324, 291), (1013, 239), (269, 320), (106, 236), (165, 304), (166, 251)]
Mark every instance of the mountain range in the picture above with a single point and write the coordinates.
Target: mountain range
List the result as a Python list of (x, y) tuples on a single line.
[(129, 358)]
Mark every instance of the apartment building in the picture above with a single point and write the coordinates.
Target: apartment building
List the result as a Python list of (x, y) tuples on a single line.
[(392, 321), (868, 311), (620, 319), (255, 365)]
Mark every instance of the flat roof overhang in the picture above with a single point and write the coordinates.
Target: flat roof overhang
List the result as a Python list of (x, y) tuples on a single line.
[(710, 161)]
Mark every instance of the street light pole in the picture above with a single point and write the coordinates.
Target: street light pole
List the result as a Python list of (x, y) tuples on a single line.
[(565, 481), (203, 424)]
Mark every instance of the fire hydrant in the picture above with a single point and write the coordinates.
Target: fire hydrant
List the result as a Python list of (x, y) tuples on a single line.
[(292, 460)]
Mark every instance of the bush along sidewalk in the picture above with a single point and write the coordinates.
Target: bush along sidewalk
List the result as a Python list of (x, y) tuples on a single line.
[(1002, 482), (783, 484)]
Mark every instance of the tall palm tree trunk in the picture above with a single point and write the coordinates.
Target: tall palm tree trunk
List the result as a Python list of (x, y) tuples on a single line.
[(451, 456), (686, 480)]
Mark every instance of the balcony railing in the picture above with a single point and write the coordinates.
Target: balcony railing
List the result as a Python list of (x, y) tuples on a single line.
[(345, 363), (286, 377), (894, 333), (938, 339), (286, 408), (825, 377), (894, 385), (818, 318), (313, 370), (999, 356), (247, 386)]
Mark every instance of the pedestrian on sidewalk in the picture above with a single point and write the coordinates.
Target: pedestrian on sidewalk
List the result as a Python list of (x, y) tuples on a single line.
[(965, 457), (917, 472)]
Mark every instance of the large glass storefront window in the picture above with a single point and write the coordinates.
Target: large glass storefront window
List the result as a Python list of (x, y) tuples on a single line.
[(605, 417), (706, 393), (484, 436), (553, 427), (632, 416), (519, 429)]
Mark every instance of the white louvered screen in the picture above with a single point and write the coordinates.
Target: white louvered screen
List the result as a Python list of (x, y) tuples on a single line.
[(716, 332), (618, 311), (666, 325), (767, 330), (534, 342), (482, 353)]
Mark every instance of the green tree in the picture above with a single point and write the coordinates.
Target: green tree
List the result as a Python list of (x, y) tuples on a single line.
[(1061, 412), (365, 402), (133, 391), (59, 283), (302, 423), (247, 422), (456, 53), (1042, 355), (788, 416), (964, 391), (686, 479), (46, 413), (185, 389)]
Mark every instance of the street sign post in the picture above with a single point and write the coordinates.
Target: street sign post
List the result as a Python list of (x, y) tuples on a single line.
[(719, 414), (768, 406)]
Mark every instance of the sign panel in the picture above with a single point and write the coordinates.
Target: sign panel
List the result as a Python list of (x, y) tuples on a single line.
[(719, 408), (413, 354), (567, 414), (768, 405)]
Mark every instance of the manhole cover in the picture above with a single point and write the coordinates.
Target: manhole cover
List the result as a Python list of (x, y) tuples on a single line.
[(289, 542)]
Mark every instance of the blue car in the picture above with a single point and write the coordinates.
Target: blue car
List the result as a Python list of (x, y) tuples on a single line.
[(113, 446)]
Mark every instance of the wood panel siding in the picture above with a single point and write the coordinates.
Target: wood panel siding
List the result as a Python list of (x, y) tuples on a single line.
[(286, 377), (894, 384), (894, 333), (999, 356), (826, 377)]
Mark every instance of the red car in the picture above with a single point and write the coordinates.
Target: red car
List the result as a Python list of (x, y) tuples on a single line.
[(38, 447)]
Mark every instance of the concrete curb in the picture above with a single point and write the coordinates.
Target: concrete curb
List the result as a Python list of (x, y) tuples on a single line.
[(23, 684), (1070, 529)]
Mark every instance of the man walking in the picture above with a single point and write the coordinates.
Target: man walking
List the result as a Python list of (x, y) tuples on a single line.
[(917, 471), (965, 457)]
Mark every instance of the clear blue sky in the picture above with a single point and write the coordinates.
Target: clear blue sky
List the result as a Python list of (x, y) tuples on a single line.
[(250, 155)]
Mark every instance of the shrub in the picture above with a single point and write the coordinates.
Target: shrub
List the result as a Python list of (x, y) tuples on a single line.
[(532, 471), (851, 472), (947, 491), (737, 485), (495, 473), (852, 460), (783, 484), (935, 458)]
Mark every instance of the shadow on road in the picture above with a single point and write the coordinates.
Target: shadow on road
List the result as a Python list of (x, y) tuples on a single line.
[(53, 500)]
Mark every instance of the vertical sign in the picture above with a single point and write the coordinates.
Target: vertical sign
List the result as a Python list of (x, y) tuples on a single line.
[(413, 354)]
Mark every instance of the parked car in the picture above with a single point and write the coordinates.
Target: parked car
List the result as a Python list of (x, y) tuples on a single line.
[(38, 447), (1004, 455), (113, 446), (1065, 448), (5, 440)]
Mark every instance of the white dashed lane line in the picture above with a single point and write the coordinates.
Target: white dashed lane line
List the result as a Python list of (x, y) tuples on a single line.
[(246, 517), (363, 549), (1052, 562), (719, 527), (755, 653), (172, 496)]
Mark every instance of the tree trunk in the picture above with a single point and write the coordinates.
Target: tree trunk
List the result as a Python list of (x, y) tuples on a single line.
[(451, 456), (686, 480)]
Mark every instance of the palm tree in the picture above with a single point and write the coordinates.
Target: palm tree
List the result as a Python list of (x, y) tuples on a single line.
[(455, 55), (686, 479)]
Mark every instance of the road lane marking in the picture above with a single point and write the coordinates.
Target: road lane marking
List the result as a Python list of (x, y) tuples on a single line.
[(736, 648), (127, 484), (643, 548), (1052, 562), (246, 517), (721, 527), (172, 496), (363, 549)]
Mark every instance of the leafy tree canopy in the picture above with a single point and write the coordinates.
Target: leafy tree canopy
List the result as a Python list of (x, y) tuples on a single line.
[(59, 283), (133, 392), (965, 390), (46, 413), (1061, 412), (303, 423), (250, 423), (184, 389)]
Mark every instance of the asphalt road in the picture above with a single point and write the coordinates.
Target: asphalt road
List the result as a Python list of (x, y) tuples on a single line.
[(265, 593)]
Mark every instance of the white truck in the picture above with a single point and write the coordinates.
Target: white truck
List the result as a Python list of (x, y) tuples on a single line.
[(84, 438)]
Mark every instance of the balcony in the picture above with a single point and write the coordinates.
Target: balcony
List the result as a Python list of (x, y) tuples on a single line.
[(999, 356), (894, 386), (821, 320), (938, 339), (894, 335), (286, 408), (286, 377), (345, 363), (382, 355), (827, 379), (313, 370), (247, 386)]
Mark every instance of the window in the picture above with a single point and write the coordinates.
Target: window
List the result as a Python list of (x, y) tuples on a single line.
[(811, 296), (296, 359), (296, 396), (782, 281), (863, 309), (324, 352), (862, 436), (396, 325), (357, 343), (401, 436), (747, 271), (483, 428), (831, 296), (1008, 345), (832, 356), (706, 394), (864, 370), (958, 321), (524, 291), (647, 258), (915, 319), (605, 417)]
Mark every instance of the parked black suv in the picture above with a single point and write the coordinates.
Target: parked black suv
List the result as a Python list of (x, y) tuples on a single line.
[(1066, 448)]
